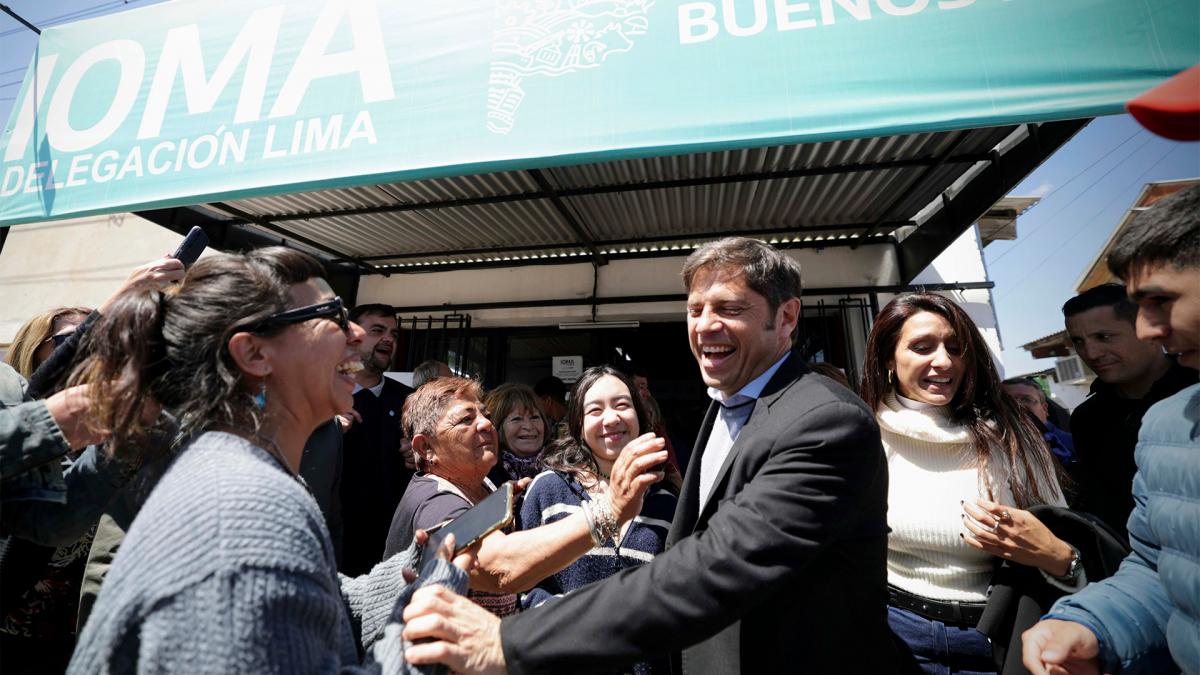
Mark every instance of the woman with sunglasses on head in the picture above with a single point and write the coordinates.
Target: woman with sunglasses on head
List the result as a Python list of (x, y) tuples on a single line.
[(606, 418), (37, 338), (228, 567), (46, 539), (964, 465)]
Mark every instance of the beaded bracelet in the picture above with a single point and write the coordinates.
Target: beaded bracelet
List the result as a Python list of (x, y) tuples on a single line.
[(606, 522), (591, 522)]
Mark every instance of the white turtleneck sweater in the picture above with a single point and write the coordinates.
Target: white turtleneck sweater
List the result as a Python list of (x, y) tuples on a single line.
[(933, 466)]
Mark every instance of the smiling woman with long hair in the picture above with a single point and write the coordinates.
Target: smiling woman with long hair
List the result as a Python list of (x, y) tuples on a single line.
[(606, 418), (964, 464), (229, 566)]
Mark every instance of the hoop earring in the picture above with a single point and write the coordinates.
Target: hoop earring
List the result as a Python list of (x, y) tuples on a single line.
[(260, 399), (889, 377)]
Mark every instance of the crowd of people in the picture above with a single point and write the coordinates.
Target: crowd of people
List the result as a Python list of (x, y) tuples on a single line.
[(211, 473)]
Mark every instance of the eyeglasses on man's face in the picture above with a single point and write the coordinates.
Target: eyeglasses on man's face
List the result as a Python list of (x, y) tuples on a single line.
[(333, 310)]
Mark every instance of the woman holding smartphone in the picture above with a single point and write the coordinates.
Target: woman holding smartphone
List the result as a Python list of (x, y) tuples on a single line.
[(605, 419), (456, 446)]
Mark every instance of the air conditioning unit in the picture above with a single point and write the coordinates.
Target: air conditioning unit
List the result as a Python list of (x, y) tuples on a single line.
[(1070, 370)]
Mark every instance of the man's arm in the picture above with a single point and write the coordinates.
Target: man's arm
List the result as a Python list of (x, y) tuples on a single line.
[(809, 488)]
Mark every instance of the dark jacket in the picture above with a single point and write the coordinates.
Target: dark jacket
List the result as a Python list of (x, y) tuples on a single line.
[(782, 570), (1105, 429), (373, 476), (1019, 595), (321, 469)]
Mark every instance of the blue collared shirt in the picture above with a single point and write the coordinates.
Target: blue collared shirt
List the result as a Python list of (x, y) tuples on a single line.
[(753, 388)]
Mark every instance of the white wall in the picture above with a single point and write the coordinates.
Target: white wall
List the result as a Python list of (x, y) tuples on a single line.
[(78, 262), (821, 268)]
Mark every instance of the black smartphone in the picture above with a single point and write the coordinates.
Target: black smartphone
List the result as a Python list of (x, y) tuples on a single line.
[(191, 247), (489, 515)]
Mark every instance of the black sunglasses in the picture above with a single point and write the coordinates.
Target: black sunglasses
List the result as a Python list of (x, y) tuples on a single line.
[(58, 339), (330, 309)]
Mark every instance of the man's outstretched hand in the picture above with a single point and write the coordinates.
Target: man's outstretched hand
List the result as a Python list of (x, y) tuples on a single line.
[(1054, 647)]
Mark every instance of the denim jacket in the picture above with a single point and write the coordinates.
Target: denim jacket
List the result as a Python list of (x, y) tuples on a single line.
[(1149, 611), (47, 498), (31, 444)]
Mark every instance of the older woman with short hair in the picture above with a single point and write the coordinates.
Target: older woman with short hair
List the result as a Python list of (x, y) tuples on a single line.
[(456, 446), (517, 414)]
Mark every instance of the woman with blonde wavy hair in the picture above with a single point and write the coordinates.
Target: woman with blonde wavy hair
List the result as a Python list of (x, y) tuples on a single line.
[(36, 338)]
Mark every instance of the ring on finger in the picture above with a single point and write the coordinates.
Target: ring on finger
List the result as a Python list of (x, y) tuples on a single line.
[(1005, 516), (995, 525)]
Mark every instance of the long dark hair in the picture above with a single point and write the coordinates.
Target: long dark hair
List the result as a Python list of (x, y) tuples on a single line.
[(170, 347), (995, 421), (571, 454)]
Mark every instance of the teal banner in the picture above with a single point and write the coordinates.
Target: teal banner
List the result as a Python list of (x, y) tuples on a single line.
[(198, 100)]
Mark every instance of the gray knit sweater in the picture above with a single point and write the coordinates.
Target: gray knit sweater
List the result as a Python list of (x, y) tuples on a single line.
[(229, 569)]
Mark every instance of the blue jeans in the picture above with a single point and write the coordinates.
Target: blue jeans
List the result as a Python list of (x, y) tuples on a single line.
[(932, 647)]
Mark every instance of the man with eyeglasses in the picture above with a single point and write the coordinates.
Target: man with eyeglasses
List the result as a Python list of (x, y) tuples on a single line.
[(375, 466)]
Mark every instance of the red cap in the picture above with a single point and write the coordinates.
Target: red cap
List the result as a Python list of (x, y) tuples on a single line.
[(1172, 109)]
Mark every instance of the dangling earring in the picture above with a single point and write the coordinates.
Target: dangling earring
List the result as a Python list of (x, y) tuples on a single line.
[(260, 399), (889, 377)]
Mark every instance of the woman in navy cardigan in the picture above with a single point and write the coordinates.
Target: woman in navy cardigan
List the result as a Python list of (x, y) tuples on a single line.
[(605, 414)]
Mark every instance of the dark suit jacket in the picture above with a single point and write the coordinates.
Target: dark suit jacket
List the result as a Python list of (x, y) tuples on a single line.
[(374, 476), (781, 571)]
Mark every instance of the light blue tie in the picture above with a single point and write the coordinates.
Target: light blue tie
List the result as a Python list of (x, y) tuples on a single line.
[(730, 419)]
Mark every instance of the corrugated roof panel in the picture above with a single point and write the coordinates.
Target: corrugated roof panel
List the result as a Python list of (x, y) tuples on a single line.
[(505, 224), (776, 158), (433, 227), (769, 204), (463, 187)]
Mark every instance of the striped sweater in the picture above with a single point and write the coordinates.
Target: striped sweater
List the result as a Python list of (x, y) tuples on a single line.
[(552, 496)]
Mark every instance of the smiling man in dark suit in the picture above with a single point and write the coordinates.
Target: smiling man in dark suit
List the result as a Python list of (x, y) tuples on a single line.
[(776, 561)]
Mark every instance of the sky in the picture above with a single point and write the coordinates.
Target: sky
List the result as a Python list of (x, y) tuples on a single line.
[(1086, 187)]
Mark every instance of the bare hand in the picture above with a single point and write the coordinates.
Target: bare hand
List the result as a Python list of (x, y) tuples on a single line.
[(153, 275), (69, 409), (463, 561), (461, 634), (632, 475), (347, 419), (1013, 534), (1054, 647), (520, 484)]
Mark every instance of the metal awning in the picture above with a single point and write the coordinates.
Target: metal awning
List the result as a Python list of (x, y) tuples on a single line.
[(836, 193)]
